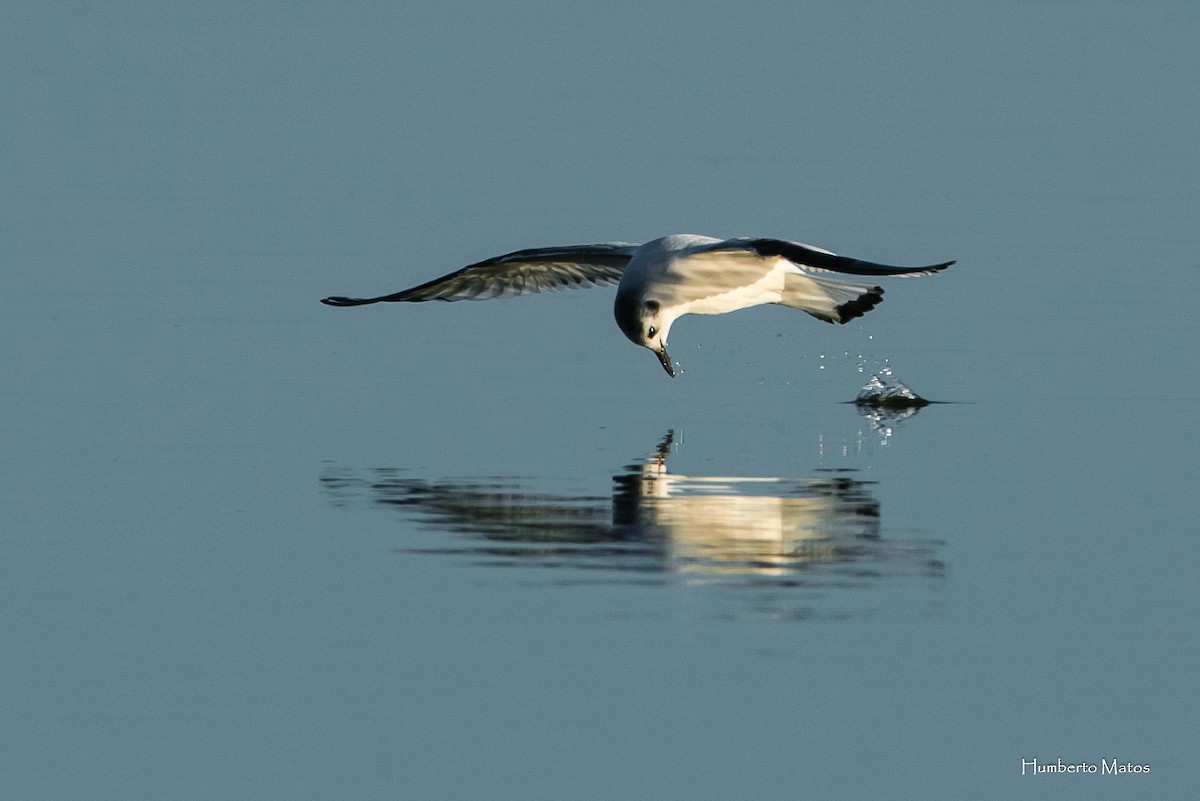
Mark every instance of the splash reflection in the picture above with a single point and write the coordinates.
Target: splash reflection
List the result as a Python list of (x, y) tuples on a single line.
[(882, 421), (659, 526)]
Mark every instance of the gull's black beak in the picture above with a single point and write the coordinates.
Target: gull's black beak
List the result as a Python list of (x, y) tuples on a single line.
[(661, 353)]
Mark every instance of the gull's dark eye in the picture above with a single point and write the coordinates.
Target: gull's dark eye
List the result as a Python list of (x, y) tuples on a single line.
[(650, 332)]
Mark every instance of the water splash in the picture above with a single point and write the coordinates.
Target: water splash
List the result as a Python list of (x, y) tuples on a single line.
[(884, 391)]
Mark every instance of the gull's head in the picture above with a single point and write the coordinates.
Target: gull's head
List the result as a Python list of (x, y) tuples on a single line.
[(643, 321)]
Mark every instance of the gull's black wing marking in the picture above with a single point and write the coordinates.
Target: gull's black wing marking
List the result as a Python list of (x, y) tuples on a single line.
[(818, 260), (523, 272)]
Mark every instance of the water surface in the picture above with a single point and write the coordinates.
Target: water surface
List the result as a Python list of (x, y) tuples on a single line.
[(251, 546)]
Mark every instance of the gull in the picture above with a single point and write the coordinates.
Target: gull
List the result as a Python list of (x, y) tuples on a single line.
[(666, 278)]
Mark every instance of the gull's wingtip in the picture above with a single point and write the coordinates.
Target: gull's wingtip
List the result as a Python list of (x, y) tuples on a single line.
[(338, 300), (917, 272)]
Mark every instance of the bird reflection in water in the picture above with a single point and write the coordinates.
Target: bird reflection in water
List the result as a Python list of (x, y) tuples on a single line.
[(723, 524), (657, 524)]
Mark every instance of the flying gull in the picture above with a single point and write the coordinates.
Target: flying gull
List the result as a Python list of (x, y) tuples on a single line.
[(664, 279)]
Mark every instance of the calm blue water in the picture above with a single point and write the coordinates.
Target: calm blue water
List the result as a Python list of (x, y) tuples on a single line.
[(253, 547)]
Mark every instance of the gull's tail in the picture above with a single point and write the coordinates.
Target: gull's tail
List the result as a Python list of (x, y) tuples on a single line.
[(829, 300)]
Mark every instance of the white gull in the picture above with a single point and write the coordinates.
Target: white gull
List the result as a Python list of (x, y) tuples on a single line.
[(666, 278)]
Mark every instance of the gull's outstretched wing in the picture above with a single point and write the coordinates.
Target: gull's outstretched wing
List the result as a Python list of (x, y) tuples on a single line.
[(815, 259), (521, 273)]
